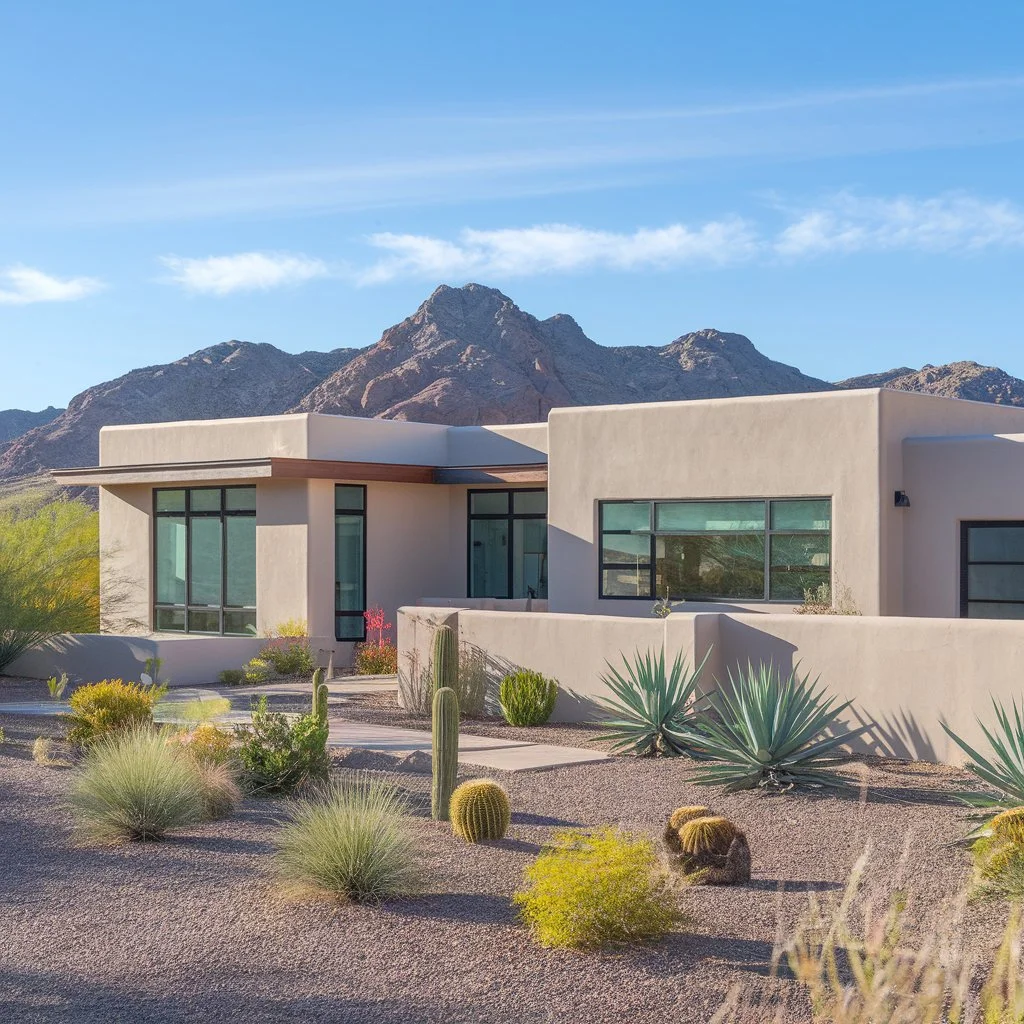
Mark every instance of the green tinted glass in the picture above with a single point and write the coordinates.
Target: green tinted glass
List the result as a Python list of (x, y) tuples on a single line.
[(348, 498), (489, 503), (709, 516), (170, 501), (626, 515), (802, 515), (240, 499)]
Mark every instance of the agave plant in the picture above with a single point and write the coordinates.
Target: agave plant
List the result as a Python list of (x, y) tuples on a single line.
[(1006, 771), (651, 712), (771, 731)]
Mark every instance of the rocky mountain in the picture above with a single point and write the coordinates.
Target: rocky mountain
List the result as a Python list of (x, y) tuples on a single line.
[(468, 355), (966, 379), (471, 355), (236, 378), (14, 422)]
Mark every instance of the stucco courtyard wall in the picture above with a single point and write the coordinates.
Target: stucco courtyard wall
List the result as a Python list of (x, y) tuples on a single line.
[(905, 675)]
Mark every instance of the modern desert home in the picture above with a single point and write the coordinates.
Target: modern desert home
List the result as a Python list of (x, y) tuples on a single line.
[(912, 504)]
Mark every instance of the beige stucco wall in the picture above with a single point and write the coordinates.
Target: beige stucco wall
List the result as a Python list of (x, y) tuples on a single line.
[(905, 675), (918, 545), (819, 445), (126, 566)]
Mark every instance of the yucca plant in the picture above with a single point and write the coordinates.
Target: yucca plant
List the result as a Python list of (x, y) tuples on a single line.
[(1006, 771), (771, 732), (651, 711)]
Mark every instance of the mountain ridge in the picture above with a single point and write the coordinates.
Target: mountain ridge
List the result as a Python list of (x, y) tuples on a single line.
[(466, 356)]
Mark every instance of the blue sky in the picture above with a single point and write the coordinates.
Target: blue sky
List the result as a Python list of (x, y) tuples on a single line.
[(842, 186)]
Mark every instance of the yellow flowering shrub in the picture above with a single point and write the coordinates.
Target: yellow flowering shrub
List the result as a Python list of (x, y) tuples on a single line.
[(111, 706)]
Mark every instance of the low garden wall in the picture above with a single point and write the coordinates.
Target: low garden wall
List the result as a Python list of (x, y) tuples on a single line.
[(187, 660), (905, 675)]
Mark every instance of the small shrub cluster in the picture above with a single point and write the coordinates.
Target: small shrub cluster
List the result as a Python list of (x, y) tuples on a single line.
[(232, 677), (277, 755), (822, 601), (209, 744), (589, 890), (705, 848), (527, 698), (378, 656), (57, 685), (350, 841), (110, 706)]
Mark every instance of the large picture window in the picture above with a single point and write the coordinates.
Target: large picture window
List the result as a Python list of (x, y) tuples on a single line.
[(743, 550), (349, 562), (992, 570), (508, 543), (205, 560)]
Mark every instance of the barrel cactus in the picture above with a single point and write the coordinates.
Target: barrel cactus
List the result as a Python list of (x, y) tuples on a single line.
[(707, 848), (445, 749), (445, 664), (480, 810)]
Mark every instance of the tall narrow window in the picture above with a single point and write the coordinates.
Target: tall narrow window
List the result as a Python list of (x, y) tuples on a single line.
[(742, 550), (204, 560), (508, 543), (992, 570), (349, 562)]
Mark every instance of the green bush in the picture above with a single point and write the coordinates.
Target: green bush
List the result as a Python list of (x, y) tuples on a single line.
[(591, 890), (351, 841), (771, 732), (651, 711), (376, 658), (232, 677), (135, 785), (289, 656), (110, 706), (277, 755), (527, 697)]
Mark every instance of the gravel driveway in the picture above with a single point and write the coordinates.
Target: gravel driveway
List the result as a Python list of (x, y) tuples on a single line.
[(194, 929)]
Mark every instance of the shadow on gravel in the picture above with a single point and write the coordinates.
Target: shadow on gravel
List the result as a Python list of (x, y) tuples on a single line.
[(910, 795), (470, 907), (518, 845), (525, 818), (792, 885), (44, 998)]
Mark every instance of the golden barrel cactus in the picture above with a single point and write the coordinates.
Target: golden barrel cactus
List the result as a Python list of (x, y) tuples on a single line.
[(480, 810), (707, 848)]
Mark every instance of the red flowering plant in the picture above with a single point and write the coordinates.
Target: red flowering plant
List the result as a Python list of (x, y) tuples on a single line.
[(378, 656)]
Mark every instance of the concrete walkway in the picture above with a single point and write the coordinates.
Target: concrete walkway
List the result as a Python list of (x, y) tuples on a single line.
[(479, 751)]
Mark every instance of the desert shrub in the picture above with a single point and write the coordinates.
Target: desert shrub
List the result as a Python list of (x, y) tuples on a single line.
[(231, 676), (771, 732), (291, 628), (1005, 770), (277, 755), (858, 966), (416, 685), (135, 785), (351, 840), (3, 735), (822, 601), (194, 712), (110, 706), (209, 744), (218, 789), (527, 697), (378, 656), (591, 890), (289, 656), (651, 711)]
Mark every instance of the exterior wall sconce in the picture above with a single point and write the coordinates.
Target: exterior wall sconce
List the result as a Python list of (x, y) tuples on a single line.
[(901, 500)]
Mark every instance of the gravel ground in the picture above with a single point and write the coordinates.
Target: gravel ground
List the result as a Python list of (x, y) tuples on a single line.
[(194, 929)]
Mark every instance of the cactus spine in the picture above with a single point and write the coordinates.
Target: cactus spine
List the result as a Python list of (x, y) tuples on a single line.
[(320, 696), (445, 665), (480, 810), (445, 761)]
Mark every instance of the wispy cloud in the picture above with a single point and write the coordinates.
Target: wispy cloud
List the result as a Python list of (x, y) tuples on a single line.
[(244, 271), (557, 248), (952, 222), (20, 286)]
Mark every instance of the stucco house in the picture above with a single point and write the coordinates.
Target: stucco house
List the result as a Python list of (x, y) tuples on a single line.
[(912, 504)]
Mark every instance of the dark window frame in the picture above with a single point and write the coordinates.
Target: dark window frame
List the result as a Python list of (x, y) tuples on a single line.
[(510, 516), (361, 615), (223, 514), (654, 533), (965, 560)]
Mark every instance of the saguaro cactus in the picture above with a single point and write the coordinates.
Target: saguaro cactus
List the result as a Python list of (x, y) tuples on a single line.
[(445, 762), (320, 696), (445, 665)]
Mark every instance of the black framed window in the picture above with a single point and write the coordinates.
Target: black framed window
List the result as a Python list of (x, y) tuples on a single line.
[(508, 543), (992, 569), (349, 561), (759, 549), (204, 560)]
